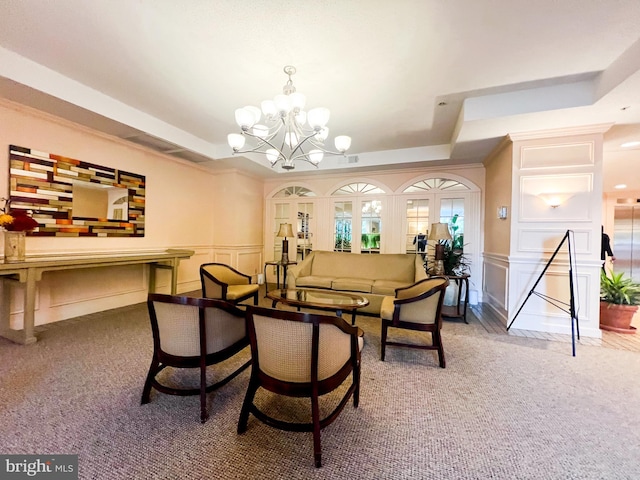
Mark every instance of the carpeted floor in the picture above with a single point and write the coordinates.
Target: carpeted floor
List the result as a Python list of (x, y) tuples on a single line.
[(504, 408)]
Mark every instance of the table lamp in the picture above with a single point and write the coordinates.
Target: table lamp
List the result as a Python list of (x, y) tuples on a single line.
[(285, 231), (439, 231)]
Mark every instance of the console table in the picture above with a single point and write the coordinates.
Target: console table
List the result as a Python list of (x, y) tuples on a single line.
[(30, 273)]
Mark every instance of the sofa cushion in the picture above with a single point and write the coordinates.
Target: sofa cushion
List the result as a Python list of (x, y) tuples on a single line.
[(391, 266), (352, 284), (387, 287), (314, 281)]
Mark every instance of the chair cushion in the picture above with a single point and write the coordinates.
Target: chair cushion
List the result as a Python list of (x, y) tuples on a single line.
[(235, 292), (352, 284), (387, 287), (386, 310), (314, 281)]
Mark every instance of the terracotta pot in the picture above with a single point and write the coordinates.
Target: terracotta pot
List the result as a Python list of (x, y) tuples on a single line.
[(617, 318)]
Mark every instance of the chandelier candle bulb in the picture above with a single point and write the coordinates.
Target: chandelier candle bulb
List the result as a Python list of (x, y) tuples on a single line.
[(287, 133)]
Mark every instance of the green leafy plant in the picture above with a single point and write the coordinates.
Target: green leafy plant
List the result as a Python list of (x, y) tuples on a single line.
[(618, 290), (454, 260)]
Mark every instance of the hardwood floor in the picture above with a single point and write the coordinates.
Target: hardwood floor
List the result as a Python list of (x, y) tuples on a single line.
[(493, 324)]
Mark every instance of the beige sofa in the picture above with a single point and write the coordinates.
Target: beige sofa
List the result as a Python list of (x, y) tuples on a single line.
[(372, 275)]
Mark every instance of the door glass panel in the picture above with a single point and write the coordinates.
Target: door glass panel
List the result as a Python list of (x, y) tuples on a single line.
[(342, 221), (371, 226), (281, 215), (417, 226), (304, 233), (452, 213)]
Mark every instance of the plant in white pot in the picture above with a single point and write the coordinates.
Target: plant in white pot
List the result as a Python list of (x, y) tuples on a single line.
[(619, 300)]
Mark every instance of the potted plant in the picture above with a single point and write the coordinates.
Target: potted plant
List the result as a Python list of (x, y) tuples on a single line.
[(454, 260), (619, 300)]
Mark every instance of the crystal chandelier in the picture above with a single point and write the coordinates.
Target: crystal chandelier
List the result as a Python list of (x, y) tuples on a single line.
[(287, 132)]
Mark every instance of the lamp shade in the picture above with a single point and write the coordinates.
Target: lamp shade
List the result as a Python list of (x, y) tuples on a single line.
[(285, 230), (343, 143), (439, 231)]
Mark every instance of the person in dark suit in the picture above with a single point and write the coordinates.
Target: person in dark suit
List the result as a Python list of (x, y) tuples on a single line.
[(606, 249), (421, 240)]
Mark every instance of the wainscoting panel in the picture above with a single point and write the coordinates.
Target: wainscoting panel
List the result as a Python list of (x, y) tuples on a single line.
[(553, 316), (570, 155), (546, 240), (495, 284)]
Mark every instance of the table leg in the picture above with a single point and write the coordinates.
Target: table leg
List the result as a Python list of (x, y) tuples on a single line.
[(30, 307), (466, 299), (264, 277)]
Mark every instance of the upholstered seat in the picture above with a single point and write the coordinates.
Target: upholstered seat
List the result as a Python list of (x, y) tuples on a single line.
[(301, 355), (416, 307), (193, 333), (226, 283)]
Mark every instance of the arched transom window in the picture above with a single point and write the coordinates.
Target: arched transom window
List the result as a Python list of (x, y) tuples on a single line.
[(294, 191), (442, 184), (362, 188)]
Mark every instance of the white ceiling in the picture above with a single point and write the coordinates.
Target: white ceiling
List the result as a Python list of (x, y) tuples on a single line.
[(413, 82)]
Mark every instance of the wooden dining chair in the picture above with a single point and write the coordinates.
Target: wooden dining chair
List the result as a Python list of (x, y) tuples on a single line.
[(301, 355), (193, 333), (221, 281), (415, 307)]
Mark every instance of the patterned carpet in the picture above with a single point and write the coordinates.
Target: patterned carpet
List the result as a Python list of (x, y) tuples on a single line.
[(504, 408)]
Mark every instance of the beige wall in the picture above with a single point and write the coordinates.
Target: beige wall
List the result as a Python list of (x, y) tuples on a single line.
[(187, 206), (498, 189), (237, 214)]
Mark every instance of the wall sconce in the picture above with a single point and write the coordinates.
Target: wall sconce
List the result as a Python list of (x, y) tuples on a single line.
[(554, 200), (503, 213)]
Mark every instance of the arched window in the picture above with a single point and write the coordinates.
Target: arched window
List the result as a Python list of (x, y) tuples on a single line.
[(442, 184), (295, 205), (358, 188), (434, 200), (365, 212), (294, 191)]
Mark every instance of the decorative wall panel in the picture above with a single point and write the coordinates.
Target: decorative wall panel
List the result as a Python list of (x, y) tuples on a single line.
[(51, 186), (546, 240), (559, 156)]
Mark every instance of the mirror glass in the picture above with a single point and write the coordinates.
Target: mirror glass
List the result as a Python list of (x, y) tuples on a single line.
[(91, 200)]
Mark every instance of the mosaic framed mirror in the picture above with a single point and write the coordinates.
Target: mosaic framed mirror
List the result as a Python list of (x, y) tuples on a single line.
[(74, 198)]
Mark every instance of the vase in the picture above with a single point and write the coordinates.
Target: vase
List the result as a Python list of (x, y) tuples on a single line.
[(14, 250), (617, 318)]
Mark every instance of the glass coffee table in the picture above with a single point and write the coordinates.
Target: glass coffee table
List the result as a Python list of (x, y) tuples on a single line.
[(319, 299)]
